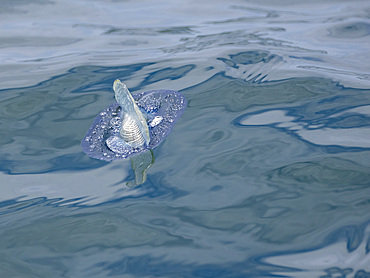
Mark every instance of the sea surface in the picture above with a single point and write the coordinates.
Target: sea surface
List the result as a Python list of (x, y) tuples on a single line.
[(266, 174)]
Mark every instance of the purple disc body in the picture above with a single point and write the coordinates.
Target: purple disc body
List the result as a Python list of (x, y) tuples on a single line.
[(162, 108)]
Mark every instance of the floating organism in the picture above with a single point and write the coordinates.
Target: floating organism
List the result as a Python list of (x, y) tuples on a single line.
[(134, 124)]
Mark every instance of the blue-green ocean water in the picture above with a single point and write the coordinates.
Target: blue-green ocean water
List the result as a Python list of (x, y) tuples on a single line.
[(267, 173)]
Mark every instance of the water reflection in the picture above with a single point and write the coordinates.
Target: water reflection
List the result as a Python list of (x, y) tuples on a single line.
[(226, 198), (346, 128), (347, 256)]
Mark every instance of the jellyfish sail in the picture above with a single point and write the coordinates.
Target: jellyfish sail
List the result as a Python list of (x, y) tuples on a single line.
[(133, 129), (133, 124)]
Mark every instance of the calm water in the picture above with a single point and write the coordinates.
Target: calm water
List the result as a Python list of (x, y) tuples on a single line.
[(267, 173)]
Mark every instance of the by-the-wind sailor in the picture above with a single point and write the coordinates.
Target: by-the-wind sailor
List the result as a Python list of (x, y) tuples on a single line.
[(134, 124)]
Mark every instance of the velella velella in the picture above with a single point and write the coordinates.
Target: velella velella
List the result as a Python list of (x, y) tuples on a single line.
[(133, 124)]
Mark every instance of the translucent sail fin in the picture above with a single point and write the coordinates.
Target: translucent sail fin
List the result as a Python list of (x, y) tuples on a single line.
[(129, 107)]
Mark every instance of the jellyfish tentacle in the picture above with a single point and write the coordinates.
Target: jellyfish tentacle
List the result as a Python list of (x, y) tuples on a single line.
[(140, 164)]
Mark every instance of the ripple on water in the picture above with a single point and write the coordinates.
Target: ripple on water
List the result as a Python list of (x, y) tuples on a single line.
[(351, 30), (266, 174)]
